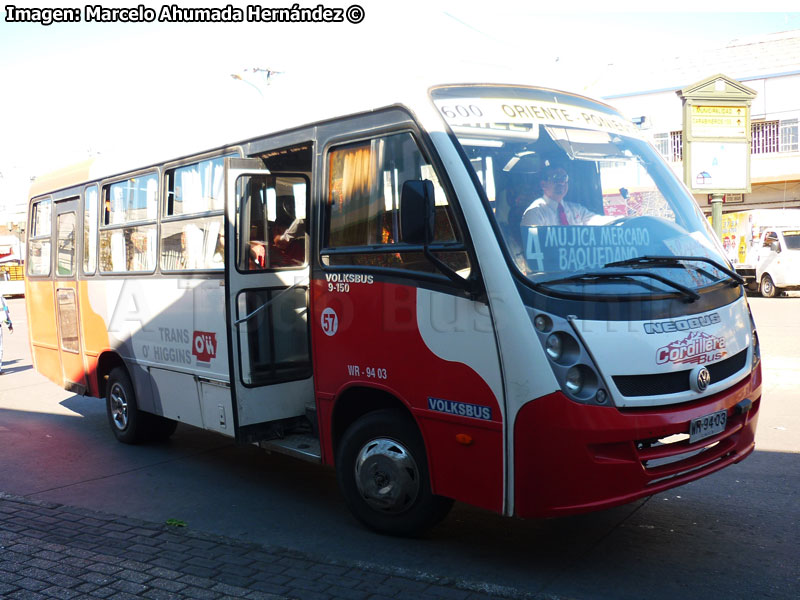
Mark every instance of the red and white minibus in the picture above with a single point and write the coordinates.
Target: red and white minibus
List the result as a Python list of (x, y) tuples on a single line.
[(494, 294)]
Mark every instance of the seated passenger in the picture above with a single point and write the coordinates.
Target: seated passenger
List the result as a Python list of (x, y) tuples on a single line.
[(288, 234), (258, 256)]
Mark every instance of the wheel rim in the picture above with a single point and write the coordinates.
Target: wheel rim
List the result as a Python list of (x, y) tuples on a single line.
[(767, 285), (119, 407), (387, 476)]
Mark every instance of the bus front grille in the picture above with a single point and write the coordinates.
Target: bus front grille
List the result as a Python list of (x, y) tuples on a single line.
[(660, 384)]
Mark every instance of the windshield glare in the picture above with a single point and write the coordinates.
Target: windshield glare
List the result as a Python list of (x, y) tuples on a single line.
[(575, 190)]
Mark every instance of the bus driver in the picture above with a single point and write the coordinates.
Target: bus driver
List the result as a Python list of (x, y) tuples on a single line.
[(551, 208)]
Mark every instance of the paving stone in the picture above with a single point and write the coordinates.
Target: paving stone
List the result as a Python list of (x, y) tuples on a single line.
[(158, 594), (51, 552), (6, 588)]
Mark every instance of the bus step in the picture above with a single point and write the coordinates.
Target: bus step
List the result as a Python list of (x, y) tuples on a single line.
[(299, 445)]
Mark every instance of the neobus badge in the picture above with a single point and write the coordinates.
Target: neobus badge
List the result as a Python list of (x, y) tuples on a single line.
[(682, 324)]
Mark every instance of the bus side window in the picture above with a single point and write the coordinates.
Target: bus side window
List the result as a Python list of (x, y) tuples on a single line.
[(128, 236), (365, 180), (90, 197), (39, 238), (192, 223)]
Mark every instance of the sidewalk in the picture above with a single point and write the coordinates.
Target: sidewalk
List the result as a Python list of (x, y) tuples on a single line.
[(54, 551)]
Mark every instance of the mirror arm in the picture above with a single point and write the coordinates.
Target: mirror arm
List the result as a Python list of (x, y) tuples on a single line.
[(468, 285)]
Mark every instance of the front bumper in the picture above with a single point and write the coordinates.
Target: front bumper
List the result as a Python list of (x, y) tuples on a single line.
[(571, 458)]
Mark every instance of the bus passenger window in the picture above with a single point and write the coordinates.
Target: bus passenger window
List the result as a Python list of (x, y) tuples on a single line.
[(128, 236), (39, 238), (192, 225), (90, 230)]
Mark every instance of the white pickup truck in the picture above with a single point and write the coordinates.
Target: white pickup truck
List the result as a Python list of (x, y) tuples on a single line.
[(777, 261), (11, 286)]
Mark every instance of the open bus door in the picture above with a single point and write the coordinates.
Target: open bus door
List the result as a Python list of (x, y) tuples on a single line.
[(267, 307)]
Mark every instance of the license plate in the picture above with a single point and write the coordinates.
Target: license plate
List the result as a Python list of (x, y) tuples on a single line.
[(703, 427)]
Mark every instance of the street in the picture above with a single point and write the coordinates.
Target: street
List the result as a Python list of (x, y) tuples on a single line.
[(731, 535)]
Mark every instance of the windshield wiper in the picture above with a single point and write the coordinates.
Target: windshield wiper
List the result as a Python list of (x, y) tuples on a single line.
[(673, 261), (628, 276)]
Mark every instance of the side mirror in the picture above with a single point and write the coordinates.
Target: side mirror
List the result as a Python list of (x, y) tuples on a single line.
[(417, 212), (775, 247)]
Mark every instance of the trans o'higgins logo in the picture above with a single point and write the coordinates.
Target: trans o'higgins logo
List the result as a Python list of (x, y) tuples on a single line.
[(699, 348), (204, 345)]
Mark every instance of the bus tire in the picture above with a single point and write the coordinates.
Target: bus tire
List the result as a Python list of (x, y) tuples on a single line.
[(768, 289), (382, 471), (160, 428), (126, 421)]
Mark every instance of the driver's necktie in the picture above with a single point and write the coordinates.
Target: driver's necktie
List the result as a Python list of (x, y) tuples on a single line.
[(562, 215)]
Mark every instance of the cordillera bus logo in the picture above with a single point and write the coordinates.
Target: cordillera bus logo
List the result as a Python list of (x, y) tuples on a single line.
[(204, 345), (698, 348)]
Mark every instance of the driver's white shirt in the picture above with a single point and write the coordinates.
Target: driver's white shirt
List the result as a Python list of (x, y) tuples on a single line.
[(544, 211)]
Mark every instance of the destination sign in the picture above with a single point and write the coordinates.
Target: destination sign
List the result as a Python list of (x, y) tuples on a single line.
[(482, 111), (719, 121)]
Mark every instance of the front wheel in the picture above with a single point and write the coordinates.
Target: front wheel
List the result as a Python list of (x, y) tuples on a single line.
[(383, 474), (768, 289)]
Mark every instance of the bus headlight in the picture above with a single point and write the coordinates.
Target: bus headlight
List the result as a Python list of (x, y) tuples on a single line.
[(543, 323), (554, 347), (756, 349), (562, 348), (581, 383), (574, 381), (754, 341), (572, 364)]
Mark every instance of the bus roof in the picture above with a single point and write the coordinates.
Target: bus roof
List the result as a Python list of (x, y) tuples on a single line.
[(284, 113), (62, 178)]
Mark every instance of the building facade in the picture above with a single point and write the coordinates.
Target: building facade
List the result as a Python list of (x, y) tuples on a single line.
[(770, 66)]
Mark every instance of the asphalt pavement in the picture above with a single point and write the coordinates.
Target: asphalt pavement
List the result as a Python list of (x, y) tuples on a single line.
[(55, 551), (93, 518)]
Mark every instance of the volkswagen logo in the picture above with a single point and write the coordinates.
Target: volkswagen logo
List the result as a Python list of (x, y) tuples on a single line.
[(700, 379)]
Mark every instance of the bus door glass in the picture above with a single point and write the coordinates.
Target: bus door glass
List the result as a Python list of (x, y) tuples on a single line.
[(267, 293), (66, 294)]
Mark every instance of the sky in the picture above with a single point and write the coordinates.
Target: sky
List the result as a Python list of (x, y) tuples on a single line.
[(74, 90)]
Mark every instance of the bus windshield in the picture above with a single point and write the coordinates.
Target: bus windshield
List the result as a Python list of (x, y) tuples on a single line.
[(581, 202)]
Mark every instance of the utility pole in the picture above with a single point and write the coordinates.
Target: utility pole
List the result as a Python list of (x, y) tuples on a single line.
[(267, 75)]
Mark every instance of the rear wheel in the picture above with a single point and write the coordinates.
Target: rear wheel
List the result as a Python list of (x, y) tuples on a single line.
[(382, 470), (768, 289), (124, 417), (129, 424), (160, 428)]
